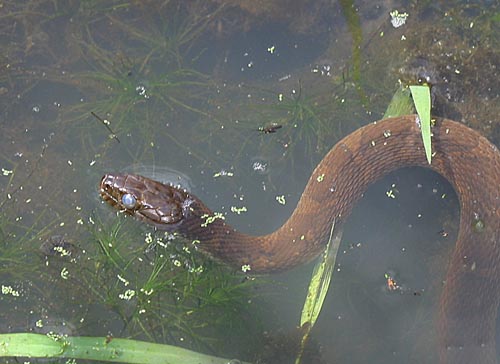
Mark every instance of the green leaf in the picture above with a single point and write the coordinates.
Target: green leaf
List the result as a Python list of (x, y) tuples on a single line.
[(422, 100), (99, 348), (401, 104), (320, 280), (318, 287)]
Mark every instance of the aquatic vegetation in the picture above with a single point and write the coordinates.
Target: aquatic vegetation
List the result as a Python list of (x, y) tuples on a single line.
[(162, 288), (158, 289), (169, 31), (307, 127), (134, 66), (146, 285), (422, 98), (101, 349), (354, 25), (137, 71), (131, 94), (273, 130), (318, 288)]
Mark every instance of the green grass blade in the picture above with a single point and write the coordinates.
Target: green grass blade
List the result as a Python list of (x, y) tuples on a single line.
[(422, 99), (401, 104), (318, 287), (99, 348)]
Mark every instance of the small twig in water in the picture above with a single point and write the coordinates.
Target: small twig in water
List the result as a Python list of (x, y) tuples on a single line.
[(106, 124)]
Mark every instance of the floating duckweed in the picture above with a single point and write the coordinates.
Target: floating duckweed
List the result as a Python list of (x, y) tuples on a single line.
[(160, 242), (390, 194), (62, 251), (127, 295), (210, 219), (223, 173), (123, 280), (6, 172), (398, 19), (148, 292), (8, 290), (238, 210), (281, 199), (198, 269), (55, 337), (177, 263), (64, 273)]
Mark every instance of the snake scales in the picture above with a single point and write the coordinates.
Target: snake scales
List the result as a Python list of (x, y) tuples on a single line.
[(470, 296)]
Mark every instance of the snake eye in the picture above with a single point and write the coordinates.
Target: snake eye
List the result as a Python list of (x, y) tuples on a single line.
[(129, 201)]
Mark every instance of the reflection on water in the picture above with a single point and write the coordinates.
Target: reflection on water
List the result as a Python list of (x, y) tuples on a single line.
[(186, 86)]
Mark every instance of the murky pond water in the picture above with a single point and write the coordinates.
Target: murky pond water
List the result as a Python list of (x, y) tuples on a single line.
[(243, 99)]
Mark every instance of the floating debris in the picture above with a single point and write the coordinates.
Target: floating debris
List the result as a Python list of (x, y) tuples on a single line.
[(269, 129), (57, 245), (398, 19), (238, 210), (106, 123), (281, 199), (223, 173), (392, 285)]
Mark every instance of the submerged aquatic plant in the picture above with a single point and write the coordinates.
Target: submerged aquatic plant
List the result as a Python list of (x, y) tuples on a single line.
[(132, 95), (134, 66), (161, 287), (302, 124), (145, 285)]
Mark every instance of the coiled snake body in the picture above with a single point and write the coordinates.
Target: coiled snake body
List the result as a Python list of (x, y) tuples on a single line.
[(470, 294)]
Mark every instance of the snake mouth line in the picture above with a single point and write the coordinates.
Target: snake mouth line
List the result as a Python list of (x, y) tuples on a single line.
[(107, 197), (105, 190)]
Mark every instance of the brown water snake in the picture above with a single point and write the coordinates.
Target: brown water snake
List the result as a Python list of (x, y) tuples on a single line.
[(470, 294)]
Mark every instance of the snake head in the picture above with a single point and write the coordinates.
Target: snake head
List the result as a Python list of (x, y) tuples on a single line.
[(161, 205)]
